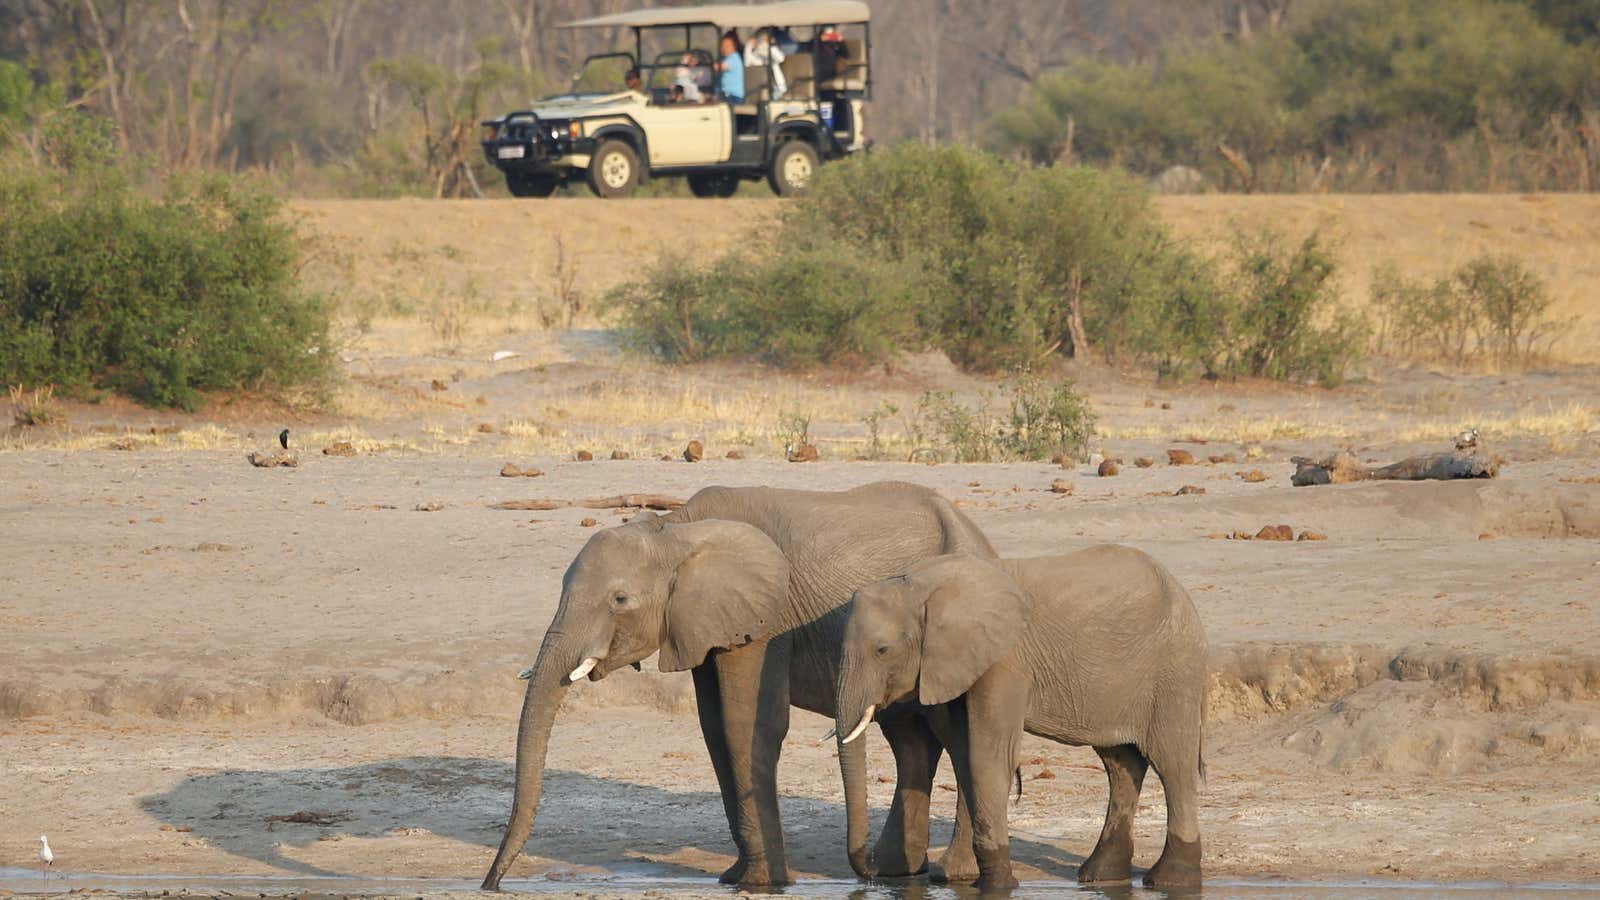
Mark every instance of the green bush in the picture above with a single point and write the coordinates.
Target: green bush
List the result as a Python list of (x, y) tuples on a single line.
[(160, 299), (1489, 308), (819, 305), (1047, 420), (1000, 266), (1352, 94), (1044, 421)]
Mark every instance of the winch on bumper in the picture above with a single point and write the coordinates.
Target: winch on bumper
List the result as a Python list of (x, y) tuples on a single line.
[(523, 143)]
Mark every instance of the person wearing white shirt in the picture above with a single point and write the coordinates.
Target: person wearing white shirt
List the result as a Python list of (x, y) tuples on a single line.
[(763, 51)]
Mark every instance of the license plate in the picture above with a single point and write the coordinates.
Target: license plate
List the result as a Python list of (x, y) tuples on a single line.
[(511, 152)]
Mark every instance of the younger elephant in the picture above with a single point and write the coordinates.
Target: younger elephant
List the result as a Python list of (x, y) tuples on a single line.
[(1100, 647)]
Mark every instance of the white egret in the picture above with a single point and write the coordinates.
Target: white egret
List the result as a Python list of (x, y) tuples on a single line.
[(46, 857)]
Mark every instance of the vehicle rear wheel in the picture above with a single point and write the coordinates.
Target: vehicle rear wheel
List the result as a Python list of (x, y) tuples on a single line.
[(523, 184), (793, 167), (613, 170), (713, 185)]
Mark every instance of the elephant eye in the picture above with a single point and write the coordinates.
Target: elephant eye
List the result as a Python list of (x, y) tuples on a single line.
[(883, 649), (620, 599)]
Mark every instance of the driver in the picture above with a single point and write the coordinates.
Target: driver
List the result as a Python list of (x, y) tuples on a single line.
[(631, 79)]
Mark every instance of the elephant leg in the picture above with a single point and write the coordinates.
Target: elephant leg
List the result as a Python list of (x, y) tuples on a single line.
[(902, 848), (958, 864), (1178, 767), (752, 703), (985, 757), (1112, 859), (708, 702)]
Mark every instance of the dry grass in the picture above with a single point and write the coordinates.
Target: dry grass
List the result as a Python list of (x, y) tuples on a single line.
[(508, 262), (1556, 235), (35, 408)]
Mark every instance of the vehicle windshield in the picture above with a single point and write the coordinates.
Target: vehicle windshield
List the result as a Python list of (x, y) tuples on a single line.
[(603, 74)]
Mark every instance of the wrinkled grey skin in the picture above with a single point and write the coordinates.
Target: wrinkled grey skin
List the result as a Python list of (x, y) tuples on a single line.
[(745, 587), (1100, 648)]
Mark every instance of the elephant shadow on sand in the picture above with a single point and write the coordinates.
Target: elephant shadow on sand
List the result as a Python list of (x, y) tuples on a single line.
[(585, 822)]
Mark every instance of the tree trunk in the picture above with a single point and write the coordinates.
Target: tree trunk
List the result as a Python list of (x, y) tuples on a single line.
[(1075, 329)]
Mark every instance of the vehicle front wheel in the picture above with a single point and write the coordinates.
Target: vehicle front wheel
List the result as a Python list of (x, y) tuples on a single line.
[(613, 170), (523, 184), (793, 167), (713, 185)]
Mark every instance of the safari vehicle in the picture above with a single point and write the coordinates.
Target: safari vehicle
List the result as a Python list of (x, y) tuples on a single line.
[(802, 105)]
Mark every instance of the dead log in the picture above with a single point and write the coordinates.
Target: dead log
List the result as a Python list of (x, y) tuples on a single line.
[(1341, 468), (1439, 467), (530, 504), (621, 501), (632, 501)]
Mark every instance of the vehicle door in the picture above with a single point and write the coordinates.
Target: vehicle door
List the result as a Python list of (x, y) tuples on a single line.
[(687, 134)]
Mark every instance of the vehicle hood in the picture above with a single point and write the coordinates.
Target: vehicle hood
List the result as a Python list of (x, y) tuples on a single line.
[(568, 107)]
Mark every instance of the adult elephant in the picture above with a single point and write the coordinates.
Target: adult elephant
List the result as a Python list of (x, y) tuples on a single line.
[(745, 588)]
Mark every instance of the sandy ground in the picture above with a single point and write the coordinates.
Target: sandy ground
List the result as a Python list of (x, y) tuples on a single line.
[(193, 649)]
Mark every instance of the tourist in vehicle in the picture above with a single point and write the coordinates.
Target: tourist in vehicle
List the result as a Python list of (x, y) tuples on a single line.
[(763, 52), (675, 95), (631, 79), (693, 76), (731, 82), (830, 49)]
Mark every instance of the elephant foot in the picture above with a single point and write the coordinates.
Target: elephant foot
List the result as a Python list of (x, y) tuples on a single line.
[(1178, 867), (862, 865), (892, 858), (1110, 863), (994, 867), (957, 866), (756, 873)]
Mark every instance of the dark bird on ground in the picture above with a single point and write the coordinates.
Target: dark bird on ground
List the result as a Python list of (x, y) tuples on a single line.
[(283, 438)]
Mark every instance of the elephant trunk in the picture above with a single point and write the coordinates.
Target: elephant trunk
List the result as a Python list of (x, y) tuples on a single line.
[(853, 766), (545, 688)]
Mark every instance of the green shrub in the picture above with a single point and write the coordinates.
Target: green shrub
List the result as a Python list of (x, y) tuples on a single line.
[(156, 298), (808, 306), (1045, 420), (1000, 266), (1284, 293), (1491, 307), (1510, 303)]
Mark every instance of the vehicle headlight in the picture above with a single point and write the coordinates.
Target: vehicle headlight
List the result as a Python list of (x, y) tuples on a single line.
[(490, 132)]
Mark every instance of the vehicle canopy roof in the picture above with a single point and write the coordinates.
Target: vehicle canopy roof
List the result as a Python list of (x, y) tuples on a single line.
[(731, 15)]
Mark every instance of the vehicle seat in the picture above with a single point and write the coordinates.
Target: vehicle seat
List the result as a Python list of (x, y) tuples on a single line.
[(852, 74), (800, 72)]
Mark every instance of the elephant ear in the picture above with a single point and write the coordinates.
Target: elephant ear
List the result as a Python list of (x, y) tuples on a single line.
[(973, 616), (730, 589)]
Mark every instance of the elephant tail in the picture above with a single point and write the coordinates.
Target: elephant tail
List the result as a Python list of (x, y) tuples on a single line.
[(1019, 782)]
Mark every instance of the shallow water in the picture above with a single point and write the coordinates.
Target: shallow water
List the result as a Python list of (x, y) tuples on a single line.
[(28, 882)]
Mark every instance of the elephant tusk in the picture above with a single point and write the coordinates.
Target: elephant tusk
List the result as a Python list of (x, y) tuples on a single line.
[(526, 673), (866, 719), (583, 668), (829, 736)]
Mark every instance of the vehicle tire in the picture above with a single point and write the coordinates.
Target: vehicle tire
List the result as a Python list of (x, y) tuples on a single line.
[(523, 184), (613, 170), (793, 167), (713, 185)]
